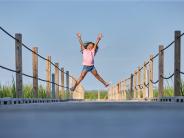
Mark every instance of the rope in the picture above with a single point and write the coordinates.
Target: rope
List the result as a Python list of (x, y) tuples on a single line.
[(167, 77), (172, 42), (146, 85), (34, 52), (127, 79), (182, 72), (9, 69), (141, 87), (140, 68), (154, 82), (166, 47), (146, 63), (155, 56), (30, 76)]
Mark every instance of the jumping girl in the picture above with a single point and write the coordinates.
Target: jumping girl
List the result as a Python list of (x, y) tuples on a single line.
[(89, 51)]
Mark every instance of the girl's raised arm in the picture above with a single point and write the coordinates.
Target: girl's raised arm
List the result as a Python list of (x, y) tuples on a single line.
[(80, 41), (98, 40)]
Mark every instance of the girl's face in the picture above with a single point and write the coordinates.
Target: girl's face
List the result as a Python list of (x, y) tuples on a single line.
[(90, 46)]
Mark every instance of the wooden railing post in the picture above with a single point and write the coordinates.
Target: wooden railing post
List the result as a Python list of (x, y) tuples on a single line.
[(53, 86), (62, 83), (108, 94), (151, 76), (113, 91), (125, 90), (67, 84), (48, 76), (18, 61), (121, 90), (57, 80), (161, 71), (35, 72), (131, 86), (117, 91), (138, 82), (177, 64), (144, 81), (135, 84)]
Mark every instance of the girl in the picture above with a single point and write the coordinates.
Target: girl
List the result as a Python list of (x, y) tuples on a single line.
[(89, 51)]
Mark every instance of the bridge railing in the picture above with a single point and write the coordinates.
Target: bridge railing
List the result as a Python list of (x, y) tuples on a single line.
[(57, 83), (140, 84)]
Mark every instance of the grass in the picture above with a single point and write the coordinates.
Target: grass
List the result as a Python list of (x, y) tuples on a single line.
[(10, 91), (169, 90), (93, 94)]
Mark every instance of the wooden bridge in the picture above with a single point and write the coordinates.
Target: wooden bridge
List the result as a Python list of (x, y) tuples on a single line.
[(131, 109), (139, 86)]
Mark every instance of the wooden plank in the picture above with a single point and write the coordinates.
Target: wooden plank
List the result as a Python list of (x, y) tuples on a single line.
[(35, 71), (144, 80), (53, 86), (135, 84), (62, 83), (138, 82), (18, 65), (118, 91), (161, 71), (121, 89), (177, 64), (48, 76), (151, 76), (67, 84), (131, 86), (125, 90), (57, 80)]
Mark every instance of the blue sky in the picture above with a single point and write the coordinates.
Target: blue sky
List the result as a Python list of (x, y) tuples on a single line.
[(132, 31)]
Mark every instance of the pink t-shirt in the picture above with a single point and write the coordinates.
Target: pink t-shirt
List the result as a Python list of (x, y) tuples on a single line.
[(88, 57)]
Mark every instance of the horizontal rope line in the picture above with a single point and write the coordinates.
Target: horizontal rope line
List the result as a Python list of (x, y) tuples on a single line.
[(34, 52), (167, 77), (146, 85), (31, 76), (154, 82), (182, 72)]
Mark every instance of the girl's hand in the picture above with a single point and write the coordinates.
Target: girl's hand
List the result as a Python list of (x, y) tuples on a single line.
[(99, 36), (78, 35)]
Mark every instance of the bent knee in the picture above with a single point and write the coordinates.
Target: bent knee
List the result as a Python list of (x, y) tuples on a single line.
[(82, 76)]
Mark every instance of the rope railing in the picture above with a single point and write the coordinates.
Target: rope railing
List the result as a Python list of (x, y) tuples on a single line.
[(146, 85), (154, 82), (42, 57), (182, 72), (29, 49), (156, 55), (138, 85), (166, 78), (30, 76)]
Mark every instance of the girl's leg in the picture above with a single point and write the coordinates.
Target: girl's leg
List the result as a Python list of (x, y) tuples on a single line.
[(98, 77), (83, 74)]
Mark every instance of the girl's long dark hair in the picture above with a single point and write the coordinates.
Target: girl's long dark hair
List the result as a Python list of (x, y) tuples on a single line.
[(87, 43)]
